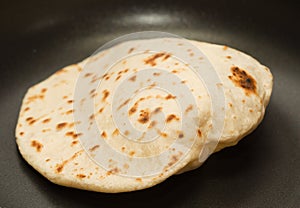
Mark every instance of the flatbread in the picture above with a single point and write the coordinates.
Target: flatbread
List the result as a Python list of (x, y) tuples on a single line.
[(55, 139)]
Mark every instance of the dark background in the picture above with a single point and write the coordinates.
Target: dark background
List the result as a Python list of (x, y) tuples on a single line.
[(263, 170)]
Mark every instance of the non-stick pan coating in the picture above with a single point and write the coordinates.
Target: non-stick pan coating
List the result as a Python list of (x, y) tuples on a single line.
[(263, 170)]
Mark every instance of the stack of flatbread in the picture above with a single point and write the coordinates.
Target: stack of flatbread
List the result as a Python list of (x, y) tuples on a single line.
[(65, 147)]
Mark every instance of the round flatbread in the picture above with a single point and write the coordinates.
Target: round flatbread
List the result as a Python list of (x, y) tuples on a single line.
[(56, 128)]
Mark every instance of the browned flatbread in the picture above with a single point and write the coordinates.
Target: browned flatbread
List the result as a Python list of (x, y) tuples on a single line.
[(49, 141)]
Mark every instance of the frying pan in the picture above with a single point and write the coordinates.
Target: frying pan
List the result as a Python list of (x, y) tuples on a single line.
[(263, 170)]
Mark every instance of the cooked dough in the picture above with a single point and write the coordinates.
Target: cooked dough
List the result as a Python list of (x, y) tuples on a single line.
[(49, 140)]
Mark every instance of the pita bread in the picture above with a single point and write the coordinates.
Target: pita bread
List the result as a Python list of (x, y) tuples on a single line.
[(53, 139)]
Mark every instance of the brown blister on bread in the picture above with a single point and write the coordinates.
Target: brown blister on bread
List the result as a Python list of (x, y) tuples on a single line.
[(199, 133), (104, 135), (59, 167), (156, 74), (118, 77), (72, 134), (244, 80), (152, 124), (157, 110), (105, 94), (69, 111), (62, 125), (94, 148), (116, 132), (30, 120), (133, 78), (80, 176), (88, 74), (74, 143), (126, 133), (144, 116), (139, 179), (169, 96), (168, 55), (43, 90), (171, 117), (61, 71), (189, 108), (132, 110), (163, 134), (34, 98), (130, 50), (174, 158), (152, 59), (37, 145), (101, 110), (123, 104), (113, 171), (47, 120), (180, 135)]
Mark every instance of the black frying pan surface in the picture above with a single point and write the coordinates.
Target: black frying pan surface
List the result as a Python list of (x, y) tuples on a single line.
[(263, 170)]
